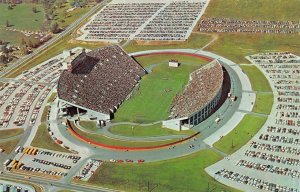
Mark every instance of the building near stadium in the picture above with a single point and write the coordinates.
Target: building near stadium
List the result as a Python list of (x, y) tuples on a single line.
[(199, 98), (97, 82)]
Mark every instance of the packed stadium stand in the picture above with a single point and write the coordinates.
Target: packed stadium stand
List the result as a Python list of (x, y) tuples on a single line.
[(200, 96), (156, 20), (99, 80)]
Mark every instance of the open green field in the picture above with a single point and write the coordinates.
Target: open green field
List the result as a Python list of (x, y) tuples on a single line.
[(65, 18), (43, 140), (258, 80), (184, 174), (10, 133), (115, 142), (152, 100), (14, 37), (22, 16), (88, 125), (195, 41), (9, 146), (146, 131), (263, 103), (254, 9), (241, 134), (44, 114), (235, 46)]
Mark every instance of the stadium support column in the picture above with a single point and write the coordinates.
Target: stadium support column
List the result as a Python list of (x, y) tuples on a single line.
[(78, 113)]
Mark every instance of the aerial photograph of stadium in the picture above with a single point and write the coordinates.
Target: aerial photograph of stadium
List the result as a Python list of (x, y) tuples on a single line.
[(149, 96)]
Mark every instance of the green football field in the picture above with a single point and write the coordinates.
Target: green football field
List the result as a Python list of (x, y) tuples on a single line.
[(152, 100)]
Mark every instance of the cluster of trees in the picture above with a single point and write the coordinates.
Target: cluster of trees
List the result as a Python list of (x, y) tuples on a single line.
[(5, 56)]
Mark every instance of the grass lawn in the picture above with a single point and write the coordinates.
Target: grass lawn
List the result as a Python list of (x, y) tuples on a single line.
[(235, 46), (254, 9), (241, 134), (43, 140), (9, 146), (263, 103), (14, 37), (89, 125), (71, 16), (146, 131), (195, 41), (22, 16), (52, 97), (44, 114), (115, 142), (152, 100), (258, 81), (184, 174), (10, 133)]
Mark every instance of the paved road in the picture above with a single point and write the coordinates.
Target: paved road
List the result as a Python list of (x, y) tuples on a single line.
[(47, 183), (52, 41)]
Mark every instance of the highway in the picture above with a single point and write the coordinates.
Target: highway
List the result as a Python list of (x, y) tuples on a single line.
[(46, 183), (53, 40)]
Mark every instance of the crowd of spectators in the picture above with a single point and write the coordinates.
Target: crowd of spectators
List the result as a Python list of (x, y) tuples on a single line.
[(144, 21), (203, 86), (100, 80), (248, 26)]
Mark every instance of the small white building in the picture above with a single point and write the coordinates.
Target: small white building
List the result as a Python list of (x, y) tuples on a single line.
[(174, 63)]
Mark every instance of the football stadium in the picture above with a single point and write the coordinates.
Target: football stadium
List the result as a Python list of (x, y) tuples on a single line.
[(95, 84)]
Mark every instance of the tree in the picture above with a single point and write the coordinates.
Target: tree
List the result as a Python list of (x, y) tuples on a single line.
[(34, 10), (65, 13), (54, 27), (7, 23), (9, 7), (23, 42), (2, 59), (29, 44)]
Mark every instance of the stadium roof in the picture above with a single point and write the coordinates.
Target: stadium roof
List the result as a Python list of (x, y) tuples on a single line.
[(100, 79)]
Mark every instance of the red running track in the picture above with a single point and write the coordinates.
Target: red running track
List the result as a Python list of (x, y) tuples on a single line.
[(70, 128)]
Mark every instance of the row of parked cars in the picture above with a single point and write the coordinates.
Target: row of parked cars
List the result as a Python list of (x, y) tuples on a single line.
[(67, 167)]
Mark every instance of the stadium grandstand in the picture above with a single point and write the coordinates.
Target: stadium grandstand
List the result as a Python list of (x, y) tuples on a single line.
[(199, 98), (97, 82)]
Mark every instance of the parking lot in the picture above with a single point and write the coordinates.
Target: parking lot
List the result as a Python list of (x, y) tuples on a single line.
[(43, 163), (88, 169)]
